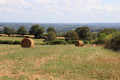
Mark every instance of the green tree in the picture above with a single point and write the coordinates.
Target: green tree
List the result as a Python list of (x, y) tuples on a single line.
[(108, 31), (51, 36), (13, 31), (37, 31), (22, 31), (7, 31), (71, 35), (40, 32), (101, 38), (93, 35), (105, 33), (83, 32), (51, 29), (113, 42)]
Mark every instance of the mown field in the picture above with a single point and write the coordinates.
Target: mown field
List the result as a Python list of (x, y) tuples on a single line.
[(58, 62), (37, 41)]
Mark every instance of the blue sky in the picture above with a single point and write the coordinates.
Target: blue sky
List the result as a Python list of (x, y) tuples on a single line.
[(60, 11)]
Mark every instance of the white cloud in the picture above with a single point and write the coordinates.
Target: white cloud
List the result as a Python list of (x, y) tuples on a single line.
[(109, 9), (72, 6), (45, 1), (2, 2), (13, 5), (59, 8), (118, 9), (98, 8)]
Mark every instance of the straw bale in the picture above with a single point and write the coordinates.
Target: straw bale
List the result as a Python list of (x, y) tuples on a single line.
[(79, 43), (27, 43)]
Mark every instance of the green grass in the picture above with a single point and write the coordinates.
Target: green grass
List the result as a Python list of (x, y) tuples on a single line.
[(58, 62), (37, 41)]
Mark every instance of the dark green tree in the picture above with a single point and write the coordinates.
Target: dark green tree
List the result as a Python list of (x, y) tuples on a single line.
[(51, 36), (37, 31), (7, 31), (13, 31), (22, 31), (40, 32), (71, 35), (93, 35), (51, 29), (83, 32)]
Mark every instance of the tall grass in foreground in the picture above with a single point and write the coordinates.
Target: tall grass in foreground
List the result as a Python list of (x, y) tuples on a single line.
[(58, 62)]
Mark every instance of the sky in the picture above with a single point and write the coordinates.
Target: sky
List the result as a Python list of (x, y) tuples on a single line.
[(60, 11)]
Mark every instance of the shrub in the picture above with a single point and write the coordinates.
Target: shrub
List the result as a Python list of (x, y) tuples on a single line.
[(40, 43), (100, 39), (93, 35), (108, 31), (43, 44), (87, 42), (16, 42), (71, 41), (9, 42), (104, 35), (60, 42), (114, 41)]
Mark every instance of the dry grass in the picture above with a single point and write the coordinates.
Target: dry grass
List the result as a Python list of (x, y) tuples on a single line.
[(63, 38), (61, 62)]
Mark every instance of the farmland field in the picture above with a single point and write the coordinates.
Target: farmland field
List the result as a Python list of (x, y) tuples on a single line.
[(58, 62), (37, 41)]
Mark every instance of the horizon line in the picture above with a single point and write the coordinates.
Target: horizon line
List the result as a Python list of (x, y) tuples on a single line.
[(60, 23)]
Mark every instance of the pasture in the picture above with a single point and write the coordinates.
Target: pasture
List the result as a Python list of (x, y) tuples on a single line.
[(58, 62)]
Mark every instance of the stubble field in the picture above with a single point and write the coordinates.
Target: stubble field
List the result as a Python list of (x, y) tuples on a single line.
[(58, 62)]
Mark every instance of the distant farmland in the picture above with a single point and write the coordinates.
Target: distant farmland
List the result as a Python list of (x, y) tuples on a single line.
[(63, 27)]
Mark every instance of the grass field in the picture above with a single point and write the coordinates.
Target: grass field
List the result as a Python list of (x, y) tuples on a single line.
[(37, 41), (58, 62)]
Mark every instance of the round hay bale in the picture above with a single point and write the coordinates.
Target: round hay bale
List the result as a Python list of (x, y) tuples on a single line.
[(79, 43), (27, 43), (94, 45)]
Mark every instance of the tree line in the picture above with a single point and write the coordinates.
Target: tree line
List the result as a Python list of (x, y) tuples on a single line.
[(80, 33), (35, 30), (109, 36)]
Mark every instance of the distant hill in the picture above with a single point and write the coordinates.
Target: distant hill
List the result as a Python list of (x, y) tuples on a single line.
[(63, 27)]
